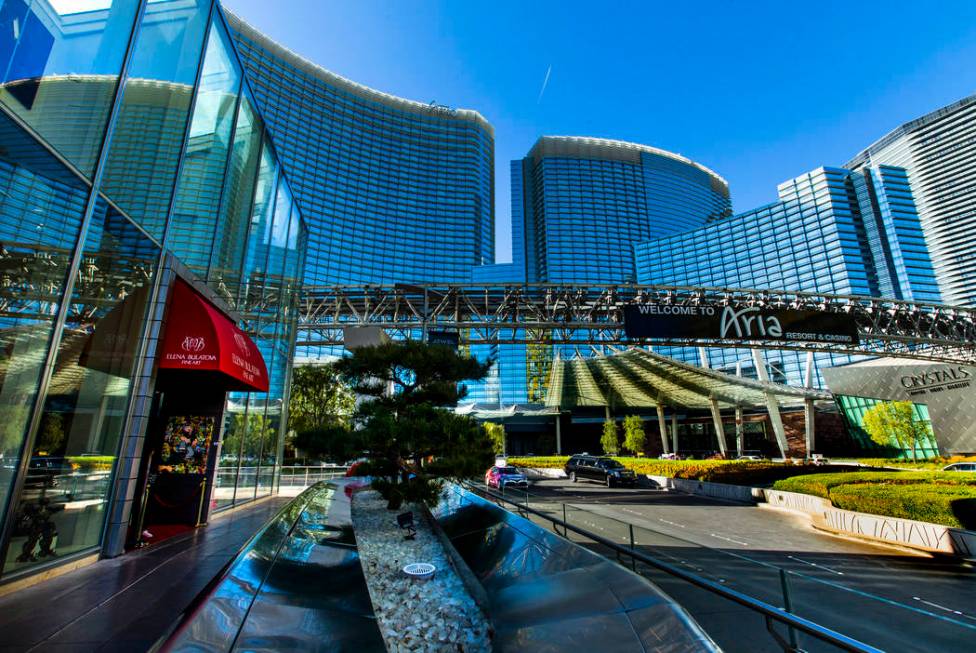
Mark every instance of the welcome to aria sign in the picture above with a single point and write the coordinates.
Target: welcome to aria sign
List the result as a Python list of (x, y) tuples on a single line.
[(743, 323)]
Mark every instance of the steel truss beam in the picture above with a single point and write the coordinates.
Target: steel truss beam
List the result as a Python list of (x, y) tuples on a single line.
[(590, 314)]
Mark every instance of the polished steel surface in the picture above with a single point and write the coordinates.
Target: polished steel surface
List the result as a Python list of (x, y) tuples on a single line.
[(297, 585), (548, 594)]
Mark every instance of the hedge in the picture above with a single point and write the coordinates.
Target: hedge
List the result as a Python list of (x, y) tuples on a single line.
[(821, 485), (736, 472), (947, 498), (92, 463), (934, 464), (950, 505)]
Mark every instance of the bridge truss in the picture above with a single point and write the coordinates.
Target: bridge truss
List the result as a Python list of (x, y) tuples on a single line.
[(592, 315)]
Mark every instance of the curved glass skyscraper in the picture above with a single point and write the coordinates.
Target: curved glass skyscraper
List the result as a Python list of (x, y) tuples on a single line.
[(585, 202), (392, 190)]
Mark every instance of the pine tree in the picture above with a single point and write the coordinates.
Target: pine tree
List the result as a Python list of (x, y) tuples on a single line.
[(403, 426)]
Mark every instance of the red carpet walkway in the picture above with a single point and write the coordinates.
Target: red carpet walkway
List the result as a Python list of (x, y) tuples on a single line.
[(126, 603)]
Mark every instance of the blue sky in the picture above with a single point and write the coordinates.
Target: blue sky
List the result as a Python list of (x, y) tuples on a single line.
[(758, 91)]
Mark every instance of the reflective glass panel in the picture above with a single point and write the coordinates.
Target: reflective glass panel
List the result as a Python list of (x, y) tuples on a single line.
[(230, 449), (235, 210), (62, 506), (144, 155), (41, 208), (61, 64), (204, 167)]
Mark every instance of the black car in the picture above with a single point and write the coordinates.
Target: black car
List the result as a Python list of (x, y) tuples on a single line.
[(597, 468)]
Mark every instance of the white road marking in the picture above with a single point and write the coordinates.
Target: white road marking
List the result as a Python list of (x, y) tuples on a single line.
[(729, 539), (814, 564), (669, 522), (942, 607)]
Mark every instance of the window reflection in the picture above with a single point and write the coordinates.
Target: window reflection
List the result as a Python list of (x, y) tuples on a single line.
[(144, 156), (61, 64), (202, 178), (41, 206), (62, 506)]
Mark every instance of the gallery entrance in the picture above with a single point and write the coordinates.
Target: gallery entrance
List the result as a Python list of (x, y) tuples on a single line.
[(203, 356)]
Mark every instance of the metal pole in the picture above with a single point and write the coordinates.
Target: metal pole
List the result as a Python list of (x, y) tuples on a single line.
[(559, 437), (633, 560), (565, 532), (788, 606), (674, 431), (719, 427)]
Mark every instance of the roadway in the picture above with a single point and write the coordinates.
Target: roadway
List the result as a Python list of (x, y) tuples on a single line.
[(891, 598)]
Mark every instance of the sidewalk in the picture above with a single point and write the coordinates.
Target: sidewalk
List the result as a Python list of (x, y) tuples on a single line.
[(126, 603)]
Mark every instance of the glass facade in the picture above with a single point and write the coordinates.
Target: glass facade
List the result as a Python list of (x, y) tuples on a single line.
[(393, 191), (579, 205), (130, 150), (832, 231), (938, 152), (853, 408), (585, 202)]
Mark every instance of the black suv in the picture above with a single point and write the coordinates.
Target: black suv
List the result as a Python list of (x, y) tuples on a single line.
[(596, 468)]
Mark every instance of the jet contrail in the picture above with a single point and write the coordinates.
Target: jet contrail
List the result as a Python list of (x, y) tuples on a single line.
[(545, 83)]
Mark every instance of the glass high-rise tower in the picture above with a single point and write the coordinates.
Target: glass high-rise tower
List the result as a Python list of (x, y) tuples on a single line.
[(392, 190), (938, 151), (584, 202)]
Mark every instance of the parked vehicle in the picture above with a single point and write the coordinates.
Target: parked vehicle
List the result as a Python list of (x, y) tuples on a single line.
[(960, 467), (44, 471), (749, 457), (596, 468), (502, 477)]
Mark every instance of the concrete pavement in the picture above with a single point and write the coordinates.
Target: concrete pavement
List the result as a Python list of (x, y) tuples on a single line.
[(890, 598)]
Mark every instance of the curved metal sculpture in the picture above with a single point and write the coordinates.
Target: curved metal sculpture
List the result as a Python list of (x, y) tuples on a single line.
[(592, 314)]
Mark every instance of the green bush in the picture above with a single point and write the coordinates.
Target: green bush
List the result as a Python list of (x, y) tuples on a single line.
[(950, 505), (820, 485), (947, 498), (934, 464), (736, 472), (91, 463)]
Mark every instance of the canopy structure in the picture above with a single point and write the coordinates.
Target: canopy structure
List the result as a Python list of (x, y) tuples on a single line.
[(638, 378), (199, 337)]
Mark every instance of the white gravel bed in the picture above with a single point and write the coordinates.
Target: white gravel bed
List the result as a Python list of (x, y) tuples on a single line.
[(414, 615)]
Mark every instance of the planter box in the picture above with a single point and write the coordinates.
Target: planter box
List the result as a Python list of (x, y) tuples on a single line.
[(924, 536), (740, 493)]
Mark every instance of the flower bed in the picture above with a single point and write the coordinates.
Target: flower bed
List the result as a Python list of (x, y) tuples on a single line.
[(947, 498), (414, 615), (934, 464)]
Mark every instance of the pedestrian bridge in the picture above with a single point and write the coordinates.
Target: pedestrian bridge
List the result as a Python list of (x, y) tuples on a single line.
[(593, 315)]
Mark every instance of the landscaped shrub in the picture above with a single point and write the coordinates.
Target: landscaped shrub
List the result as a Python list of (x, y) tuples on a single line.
[(932, 463), (735, 472), (947, 498), (820, 485), (928, 502), (91, 463)]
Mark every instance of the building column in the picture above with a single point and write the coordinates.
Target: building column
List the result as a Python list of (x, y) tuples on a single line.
[(559, 435), (808, 409), (740, 439), (703, 357), (808, 419), (719, 428), (662, 427), (772, 406), (674, 432)]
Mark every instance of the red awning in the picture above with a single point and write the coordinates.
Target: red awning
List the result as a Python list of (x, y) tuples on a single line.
[(200, 337)]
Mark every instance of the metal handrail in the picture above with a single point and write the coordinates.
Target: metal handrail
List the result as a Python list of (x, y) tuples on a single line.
[(770, 612)]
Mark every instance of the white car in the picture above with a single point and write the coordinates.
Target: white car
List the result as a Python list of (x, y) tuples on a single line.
[(960, 467)]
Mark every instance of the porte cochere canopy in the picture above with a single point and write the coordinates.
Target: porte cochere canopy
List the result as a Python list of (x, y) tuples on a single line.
[(638, 378), (199, 337)]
